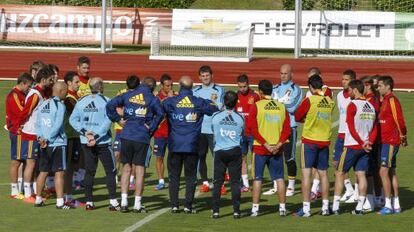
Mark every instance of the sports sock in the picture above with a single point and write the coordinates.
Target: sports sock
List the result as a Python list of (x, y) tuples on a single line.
[(255, 208), (306, 207), (124, 199), (20, 184), (369, 202), (336, 202), (325, 204), (291, 184), (388, 202), (131, 179), (361, 200), (245, 179), (14, 189), (356, 191), (206, 183), (315, 185), (27, 189), (114, 202), (275, 185), (89, 203), (397, 203), (59, 202), (137, 204), (282, 207), (348, 186), (34, 187), (161, 181), (38, 200)]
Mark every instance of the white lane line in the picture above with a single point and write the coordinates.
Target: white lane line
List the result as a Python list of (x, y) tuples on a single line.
[(150, 217)]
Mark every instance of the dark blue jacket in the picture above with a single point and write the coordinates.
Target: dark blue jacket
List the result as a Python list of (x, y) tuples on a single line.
[(185, 114), (140, 107)]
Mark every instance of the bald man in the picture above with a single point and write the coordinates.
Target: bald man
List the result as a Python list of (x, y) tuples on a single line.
[(89, 119), (290, 94), (185, 115), (53, 141)]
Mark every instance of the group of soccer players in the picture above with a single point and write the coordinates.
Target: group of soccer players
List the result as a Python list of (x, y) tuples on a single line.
[(61, 128)]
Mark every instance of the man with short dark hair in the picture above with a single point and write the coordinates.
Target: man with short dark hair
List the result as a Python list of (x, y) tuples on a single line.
[(246, 99), (184, 114), (161, 134), (74, 149), (316, 113), (359, 138), (141, 116), (393, 134), (269, 124), (83, 67), (15, 101), (89, 119), (211, 91), (228, 127)]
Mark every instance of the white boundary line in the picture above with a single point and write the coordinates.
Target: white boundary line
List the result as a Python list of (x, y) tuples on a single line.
[(150, 217)]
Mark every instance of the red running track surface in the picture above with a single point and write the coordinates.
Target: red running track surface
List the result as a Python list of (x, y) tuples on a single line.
[(118, 66)]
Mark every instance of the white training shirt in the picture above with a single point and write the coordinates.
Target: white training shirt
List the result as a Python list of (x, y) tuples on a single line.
[(364, 121)]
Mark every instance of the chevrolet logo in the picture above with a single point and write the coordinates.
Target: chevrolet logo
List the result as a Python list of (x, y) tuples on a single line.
[(214, 26)]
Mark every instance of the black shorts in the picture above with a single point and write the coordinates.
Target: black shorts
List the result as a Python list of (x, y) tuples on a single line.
[(135, 153), (52, 159), (74, 150)]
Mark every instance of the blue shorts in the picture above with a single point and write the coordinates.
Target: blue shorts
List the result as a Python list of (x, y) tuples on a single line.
[(160, 146), (246, 144), (339, 147), (389, 155), (274, 164), (23, 149), (117, 143), (358, 159), (314, 156)]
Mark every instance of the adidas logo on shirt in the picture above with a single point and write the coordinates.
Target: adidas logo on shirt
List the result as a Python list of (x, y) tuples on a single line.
[(324, 104), (367, 109), (185, 103), (46, 108), (90, 107), (138, 99), (229, 120), (272, 106)]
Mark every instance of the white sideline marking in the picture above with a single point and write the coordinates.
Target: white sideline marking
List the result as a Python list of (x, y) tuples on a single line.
[(150, 217)]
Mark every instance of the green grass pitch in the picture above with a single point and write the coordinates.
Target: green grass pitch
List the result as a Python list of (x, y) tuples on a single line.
[(15, 215)]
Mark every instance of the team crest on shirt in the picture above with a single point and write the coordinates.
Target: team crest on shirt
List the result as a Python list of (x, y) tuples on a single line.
[(214, 96), (138, 99), (141, 112), (250, 101), (191, 117)]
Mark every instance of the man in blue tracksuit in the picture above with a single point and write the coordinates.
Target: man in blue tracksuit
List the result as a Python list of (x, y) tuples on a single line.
[(142, 115), (185, 115), (228, 127), (290, 95), (89, 119), (207, 90), (52, 138)]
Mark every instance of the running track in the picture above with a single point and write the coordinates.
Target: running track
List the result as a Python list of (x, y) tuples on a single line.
[(118, 66)]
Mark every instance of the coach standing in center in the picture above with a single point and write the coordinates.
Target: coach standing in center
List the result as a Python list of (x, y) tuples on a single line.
[(185, 115)]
